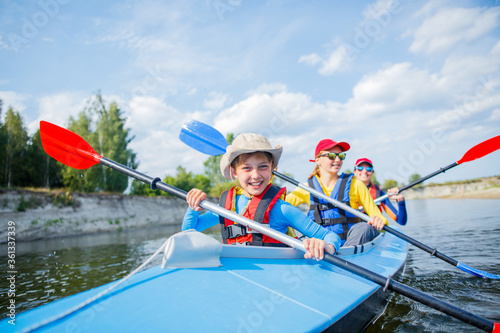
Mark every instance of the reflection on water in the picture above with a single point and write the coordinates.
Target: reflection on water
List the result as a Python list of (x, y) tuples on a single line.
[(466, 230), (50, 269)]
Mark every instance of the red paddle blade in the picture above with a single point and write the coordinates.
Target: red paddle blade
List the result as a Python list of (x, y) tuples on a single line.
[(480, 150), (67, 147)]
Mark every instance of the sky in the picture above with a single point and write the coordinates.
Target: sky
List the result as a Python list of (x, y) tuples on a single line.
[(411, 85)]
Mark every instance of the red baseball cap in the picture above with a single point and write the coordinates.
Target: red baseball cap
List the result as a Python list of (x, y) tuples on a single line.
[(326, 144), (363, 160)]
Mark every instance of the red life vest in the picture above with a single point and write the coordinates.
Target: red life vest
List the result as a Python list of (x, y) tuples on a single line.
[(258, 210), (375, 193)]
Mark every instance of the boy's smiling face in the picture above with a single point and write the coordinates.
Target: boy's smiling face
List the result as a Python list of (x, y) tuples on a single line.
[(254, 173)]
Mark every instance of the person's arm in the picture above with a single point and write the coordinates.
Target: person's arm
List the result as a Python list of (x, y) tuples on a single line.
[(388, 207), (288, 216), (193, 220), (401, 217), (360, 196), (298, 197)]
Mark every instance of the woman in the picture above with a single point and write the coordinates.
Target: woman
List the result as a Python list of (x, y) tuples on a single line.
[(363, 170), (329, 156), (250, 159)]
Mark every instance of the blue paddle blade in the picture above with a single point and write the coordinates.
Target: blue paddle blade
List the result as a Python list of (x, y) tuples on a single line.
[(203, 138), (477, 272)]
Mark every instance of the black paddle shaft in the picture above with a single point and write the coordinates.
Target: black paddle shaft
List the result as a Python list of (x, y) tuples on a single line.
[(426, 248), (389, 283), (286, 178), (153, 182), (401, 235), (420, 180)]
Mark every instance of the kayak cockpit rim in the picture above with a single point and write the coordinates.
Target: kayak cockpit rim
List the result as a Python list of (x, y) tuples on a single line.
[(264, 252)]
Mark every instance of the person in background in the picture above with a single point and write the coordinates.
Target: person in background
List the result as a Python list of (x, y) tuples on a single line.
[(329, 157), (250, 159), (363, 170)]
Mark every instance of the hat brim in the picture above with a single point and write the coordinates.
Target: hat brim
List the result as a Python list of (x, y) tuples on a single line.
[(229, 157), (364, 160), (343, 145)]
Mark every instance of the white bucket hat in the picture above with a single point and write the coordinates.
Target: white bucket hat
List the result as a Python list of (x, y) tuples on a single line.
[(247, 143)]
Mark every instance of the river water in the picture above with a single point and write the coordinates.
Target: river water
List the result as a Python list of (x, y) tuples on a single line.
[(466, 230)]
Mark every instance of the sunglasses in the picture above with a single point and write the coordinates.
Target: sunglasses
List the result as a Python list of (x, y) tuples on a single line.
[(360, 168), (333, 156)]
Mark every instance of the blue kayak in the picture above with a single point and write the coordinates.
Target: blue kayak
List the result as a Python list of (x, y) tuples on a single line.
[(256, 289)]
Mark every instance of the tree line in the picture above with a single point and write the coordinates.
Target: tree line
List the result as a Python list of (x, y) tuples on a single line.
[(24, 163)]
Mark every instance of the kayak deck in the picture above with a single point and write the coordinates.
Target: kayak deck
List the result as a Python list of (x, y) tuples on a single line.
[(254, 290)]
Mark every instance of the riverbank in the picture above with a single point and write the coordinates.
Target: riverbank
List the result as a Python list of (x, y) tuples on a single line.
[(42, 214), (481, 188)]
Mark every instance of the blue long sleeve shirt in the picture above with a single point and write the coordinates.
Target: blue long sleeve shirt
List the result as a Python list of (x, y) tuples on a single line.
[(399, 215), (282, 216)]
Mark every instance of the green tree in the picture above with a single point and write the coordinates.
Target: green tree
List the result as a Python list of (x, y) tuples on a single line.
[(16, 143), (104, 129), (81, 180), (41, 169), (3, 146), (413, 178), (113, 140), (140, 188), (187, 180), (389, 183), (218, 183)]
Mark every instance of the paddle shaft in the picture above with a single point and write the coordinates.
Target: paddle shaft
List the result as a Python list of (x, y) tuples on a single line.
[(365, 217), (321, 195), (418, 181), (388, 283)]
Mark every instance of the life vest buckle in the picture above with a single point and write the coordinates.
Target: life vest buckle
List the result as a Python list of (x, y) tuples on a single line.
[(326, 206), (236, 230)]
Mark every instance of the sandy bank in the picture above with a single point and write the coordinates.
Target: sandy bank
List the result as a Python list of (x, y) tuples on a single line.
[(48, 215), (490, 193), (486, 188)]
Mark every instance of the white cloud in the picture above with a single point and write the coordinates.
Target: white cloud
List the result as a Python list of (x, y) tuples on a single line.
[(267, 88), (57, 108), (310, 59), (396, 88), (335, 62), (156, 127), (159, 151), (463, 113), (495, 115), (216, 101), (376, 18), (450, 26), (3, 45), (270, 114), (381, 8), (14, 99), (146, 110)]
